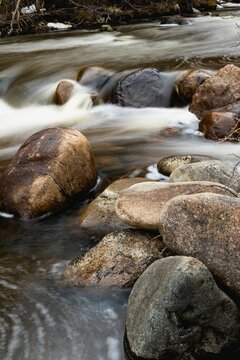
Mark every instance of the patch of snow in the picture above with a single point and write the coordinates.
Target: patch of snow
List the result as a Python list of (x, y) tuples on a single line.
[(58, 26), (28, 9)]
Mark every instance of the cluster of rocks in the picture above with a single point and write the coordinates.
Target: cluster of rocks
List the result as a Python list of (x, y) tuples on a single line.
[(213, 97), (172, 241)]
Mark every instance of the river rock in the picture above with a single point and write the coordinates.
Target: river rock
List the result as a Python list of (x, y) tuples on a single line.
[(207, 227), (141, 204), (94, 77), (218, 125), (49, 168), (219, 90), (170, 163), (100, 213), (188, 82), (63, 92), (143, 88), (118, 260), (176, 311), (211, 170)]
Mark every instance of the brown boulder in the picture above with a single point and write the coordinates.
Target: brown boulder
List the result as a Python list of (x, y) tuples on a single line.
[(143, 88), (206, 226), (188, 82), (141, 204), (218, 91), (50, 167), (100, 213), (218, 125), (63, 92), (118, 260)]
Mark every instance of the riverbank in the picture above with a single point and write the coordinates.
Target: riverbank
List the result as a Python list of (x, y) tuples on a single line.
[(21, 19)]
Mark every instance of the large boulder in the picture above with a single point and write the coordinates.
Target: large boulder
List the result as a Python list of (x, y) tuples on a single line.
[(100, 214), (207, 227), (188, 82), (218, 91), (211, 170), (49, 168), (176, 311), (170, 163), (144, 88), (220, 126), (140, 204), (118, 260)]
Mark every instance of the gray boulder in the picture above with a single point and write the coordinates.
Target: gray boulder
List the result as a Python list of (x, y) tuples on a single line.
[(207, 227), (212, 170), (176, 311)]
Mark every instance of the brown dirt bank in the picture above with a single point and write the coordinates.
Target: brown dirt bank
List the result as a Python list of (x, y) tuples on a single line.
[(87, 14)]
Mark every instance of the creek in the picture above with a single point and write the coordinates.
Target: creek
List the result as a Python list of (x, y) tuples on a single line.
[(40, 317)]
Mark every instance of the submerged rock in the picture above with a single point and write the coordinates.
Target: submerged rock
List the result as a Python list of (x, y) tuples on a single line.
[(176, 311), (144, 88), (141, 204), (207, 227), (211, 170), (49, 168), (218, 91), (170, 163), (219, 125), (118, 260), (94, 77), (100, 213)]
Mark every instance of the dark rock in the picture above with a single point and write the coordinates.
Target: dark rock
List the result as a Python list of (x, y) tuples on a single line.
[(211, 170), (141, 204), (170, 163), (94, 77), (176, 311), (218, 91), (144, 88), (118, 260), (49, 168), (178, 20), (218, 125), (207, 227)]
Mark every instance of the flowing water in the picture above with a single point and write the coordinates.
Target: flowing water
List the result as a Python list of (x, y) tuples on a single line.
[(40, 317)]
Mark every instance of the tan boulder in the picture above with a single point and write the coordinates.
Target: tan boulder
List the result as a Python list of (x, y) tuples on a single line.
[(49, 168), (100, 213), (218, 91), (206, 226), (140, 205), (118, 260), (63, 92)]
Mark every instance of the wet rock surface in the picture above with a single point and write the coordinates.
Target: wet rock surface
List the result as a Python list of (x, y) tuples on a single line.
[(48, 169), (218, 125), (188, 82), (176, 311), (64, 91), (170, 163), (211, 170), (207, 227), (117, 260), (94, 77), (100, 213), (140, 205), (219, 90), (143, 88)]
